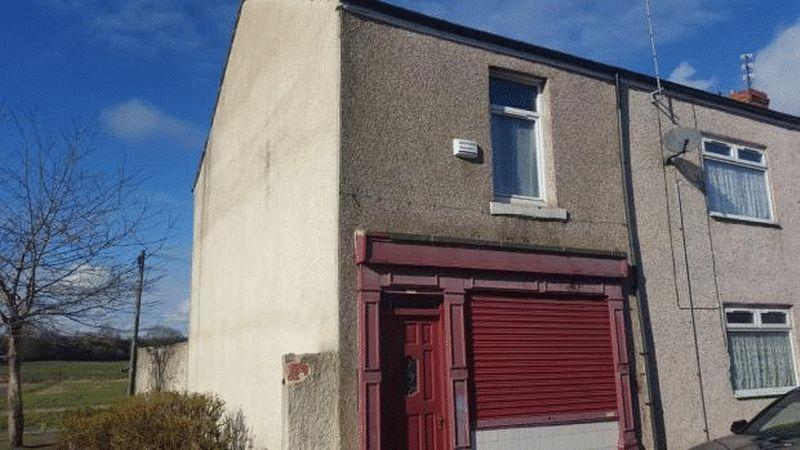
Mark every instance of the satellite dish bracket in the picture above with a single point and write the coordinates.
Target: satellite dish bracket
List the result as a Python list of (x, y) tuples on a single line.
[(679, 141), (668, 161)]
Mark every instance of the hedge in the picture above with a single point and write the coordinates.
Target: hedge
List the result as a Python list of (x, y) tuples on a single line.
[(154, 421)]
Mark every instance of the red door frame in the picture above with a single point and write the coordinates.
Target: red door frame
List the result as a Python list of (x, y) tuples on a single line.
[(408, 265)]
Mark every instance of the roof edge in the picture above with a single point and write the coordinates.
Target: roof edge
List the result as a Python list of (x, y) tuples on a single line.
[(395, 15), (202, 158)]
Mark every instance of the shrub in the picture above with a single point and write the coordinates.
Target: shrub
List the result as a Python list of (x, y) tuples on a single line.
[(166, 420)]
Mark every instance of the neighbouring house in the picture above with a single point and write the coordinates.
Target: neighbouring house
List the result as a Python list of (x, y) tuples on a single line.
[(718, 233), (412, 234)]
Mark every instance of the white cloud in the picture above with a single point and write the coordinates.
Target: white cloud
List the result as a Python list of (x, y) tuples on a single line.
[(173, 313), (150, 28), (778, 70), (137, 121), (145, 27), (85, 277), (609, 29), (170, 301), (685, 74)]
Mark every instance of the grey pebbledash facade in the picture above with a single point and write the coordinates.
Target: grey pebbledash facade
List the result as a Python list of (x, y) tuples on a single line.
[(329, 200)]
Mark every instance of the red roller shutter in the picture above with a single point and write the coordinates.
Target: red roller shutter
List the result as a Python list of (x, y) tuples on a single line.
[(541, 360)]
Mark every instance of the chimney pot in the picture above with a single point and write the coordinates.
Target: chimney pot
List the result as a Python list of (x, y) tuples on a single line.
[(753, 97)]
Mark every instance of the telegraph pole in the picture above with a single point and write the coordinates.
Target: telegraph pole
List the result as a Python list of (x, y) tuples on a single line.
[(135, 337)]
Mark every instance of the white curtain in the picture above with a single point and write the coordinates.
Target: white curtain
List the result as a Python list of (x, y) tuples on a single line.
[(737, 190), (514, 164), (761, 360)]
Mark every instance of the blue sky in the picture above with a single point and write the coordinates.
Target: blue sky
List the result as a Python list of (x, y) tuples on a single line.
[(699, 41), (146, 72)]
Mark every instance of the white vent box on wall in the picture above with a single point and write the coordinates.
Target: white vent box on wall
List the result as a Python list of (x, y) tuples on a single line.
[(465, 149)]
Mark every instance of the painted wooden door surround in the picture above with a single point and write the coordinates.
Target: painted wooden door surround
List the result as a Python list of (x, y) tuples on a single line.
[(446, 275)]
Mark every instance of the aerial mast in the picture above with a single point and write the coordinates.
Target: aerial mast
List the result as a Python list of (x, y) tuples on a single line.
[(748, 66)]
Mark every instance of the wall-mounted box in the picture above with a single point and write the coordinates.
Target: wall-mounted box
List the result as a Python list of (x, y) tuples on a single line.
[(466, 149)]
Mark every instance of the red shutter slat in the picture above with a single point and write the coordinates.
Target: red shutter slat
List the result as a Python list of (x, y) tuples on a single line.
[(541, 357)]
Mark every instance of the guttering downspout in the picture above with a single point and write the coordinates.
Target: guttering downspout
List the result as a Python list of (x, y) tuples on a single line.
[(648, 350)]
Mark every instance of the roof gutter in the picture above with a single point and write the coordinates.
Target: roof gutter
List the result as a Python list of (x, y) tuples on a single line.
[(413, 21)]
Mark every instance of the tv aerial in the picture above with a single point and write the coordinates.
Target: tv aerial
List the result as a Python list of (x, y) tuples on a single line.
[(748, 69), (681, 140)]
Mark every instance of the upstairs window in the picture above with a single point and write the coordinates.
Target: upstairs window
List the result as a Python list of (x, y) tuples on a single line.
[(736, 181), (516, 159), (760, 346)]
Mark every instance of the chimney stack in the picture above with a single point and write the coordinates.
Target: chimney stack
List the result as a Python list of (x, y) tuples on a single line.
[(753, 97)]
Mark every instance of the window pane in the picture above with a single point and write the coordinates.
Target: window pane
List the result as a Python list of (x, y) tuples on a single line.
[(737, 190), (740, 317), (508, 93), (760, 360), (773, 317), (514, 165), (787, 420), (780, 417), (718, 148), (750, 155)]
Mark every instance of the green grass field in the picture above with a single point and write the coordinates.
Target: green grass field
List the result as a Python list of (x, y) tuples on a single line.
[(52, 388)]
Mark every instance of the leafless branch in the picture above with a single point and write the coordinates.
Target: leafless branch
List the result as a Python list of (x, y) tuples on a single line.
[(68, 234)]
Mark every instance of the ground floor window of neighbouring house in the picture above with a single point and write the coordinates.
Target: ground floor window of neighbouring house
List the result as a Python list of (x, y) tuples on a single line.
[(761, 351)]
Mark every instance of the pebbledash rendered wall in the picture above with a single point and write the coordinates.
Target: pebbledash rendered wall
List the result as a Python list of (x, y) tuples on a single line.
[(329, 122), (295, 164), (728, 262), (264, 262), (405, 96)]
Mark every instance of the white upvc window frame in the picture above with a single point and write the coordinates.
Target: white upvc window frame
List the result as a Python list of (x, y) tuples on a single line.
[(733, 158), (536, 118), (758, 326)]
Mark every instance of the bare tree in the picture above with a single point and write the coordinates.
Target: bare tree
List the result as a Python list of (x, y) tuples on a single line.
[(160, 358), (68, 234)]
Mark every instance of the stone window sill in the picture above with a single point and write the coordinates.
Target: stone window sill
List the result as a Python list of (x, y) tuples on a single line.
[(761, 393), (530, 210), (743, 220)]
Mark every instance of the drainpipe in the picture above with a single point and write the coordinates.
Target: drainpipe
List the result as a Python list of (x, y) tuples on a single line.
[(648, 349)]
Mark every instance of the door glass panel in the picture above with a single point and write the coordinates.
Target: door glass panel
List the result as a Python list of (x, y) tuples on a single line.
[(410, 375)]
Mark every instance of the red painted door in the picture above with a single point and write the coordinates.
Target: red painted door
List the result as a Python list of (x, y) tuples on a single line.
[(413, 389)]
